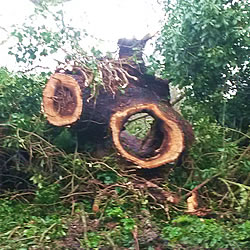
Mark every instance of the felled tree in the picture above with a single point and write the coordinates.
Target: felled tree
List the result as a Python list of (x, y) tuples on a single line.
[(109, 96)]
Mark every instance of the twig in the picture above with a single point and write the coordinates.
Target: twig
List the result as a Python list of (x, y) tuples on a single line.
[(28, 70), (135, 236), (111, 242), (13, 231), (85, 228), (237, 131), (46, 231), (22, 194), (74, 194), (35, 135), (107, 166), (199, 186), (178, 99)]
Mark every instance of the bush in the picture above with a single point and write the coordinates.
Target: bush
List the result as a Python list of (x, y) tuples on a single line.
[(206, 233)]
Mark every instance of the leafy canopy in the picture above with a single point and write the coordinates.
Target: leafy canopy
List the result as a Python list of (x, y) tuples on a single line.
[(204, 48), (203, 43)]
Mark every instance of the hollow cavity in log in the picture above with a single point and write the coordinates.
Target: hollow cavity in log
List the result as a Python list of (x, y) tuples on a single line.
[(164, 143), (141, 134)]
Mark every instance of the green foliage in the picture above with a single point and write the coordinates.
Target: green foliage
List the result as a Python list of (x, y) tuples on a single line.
[(93, 239), (35, 42), (107, 177), (204, 48), (23, 225), (125, 224), (216, 153), (215, 149), (48, 194), (206, 233), (204, 40), (115, 212), (20, 96), (64, 139)]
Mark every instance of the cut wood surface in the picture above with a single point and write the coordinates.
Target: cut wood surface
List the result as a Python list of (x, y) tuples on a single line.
[(62, 100)]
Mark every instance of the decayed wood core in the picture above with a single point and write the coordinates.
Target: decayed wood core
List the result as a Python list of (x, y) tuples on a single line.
[(169, 147), (62, 100)]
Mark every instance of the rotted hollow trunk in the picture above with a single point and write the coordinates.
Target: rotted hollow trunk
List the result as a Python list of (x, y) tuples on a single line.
[(67, 100), (166, 140)]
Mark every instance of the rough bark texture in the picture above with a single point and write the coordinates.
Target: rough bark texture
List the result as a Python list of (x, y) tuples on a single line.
[(75, 97), (67, 95)]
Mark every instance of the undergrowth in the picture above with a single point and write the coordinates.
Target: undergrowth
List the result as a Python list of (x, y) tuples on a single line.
[(58, 197)]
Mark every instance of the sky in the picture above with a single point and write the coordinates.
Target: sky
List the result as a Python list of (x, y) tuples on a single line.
[(108, 20)]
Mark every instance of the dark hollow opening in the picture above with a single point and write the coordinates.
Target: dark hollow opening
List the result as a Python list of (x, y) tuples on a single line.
[(64, 101), (142, 134)]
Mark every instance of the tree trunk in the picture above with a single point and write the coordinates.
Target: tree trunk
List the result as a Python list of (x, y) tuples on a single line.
[(76, 97)]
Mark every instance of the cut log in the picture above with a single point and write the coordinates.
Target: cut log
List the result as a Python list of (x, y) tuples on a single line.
[(107, 102), (66, 100)]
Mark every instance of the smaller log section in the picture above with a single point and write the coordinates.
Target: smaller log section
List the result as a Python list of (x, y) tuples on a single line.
[(63, 96), (74, 96), (62, 100)]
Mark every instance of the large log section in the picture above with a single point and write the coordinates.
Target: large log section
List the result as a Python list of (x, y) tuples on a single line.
[(107, 98)]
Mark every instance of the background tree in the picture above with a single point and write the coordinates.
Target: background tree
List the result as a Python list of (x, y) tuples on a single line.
[(204, 47)]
